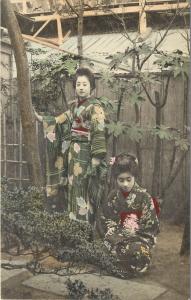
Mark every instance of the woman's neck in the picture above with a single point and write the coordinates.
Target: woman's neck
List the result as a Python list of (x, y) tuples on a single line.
[(82, 100)]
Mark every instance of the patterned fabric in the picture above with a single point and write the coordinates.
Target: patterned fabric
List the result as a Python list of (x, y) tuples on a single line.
[(131, 226), (78, 136)]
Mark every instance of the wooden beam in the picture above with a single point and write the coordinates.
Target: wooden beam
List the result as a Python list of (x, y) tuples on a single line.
[(44, 25), (41, 41), (16, 1), (121, 10), (59, 30), (53, 41), (165, 6), (66, 36)]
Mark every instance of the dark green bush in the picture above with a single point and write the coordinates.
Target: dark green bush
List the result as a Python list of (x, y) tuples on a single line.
[(24, 217), (77, 290)]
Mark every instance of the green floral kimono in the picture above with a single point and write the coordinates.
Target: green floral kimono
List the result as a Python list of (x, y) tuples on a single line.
[(131, 226), (75, 139)]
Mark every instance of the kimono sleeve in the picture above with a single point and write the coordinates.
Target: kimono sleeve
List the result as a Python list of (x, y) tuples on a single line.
[(56, 132), (56, 129), (109, 216), (97, 132), (149, 223)]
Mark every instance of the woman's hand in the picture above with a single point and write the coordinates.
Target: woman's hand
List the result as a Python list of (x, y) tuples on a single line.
[(38, 117)]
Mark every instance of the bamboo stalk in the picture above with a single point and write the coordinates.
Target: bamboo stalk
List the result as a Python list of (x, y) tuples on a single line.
[(20, 154), (23, 179), (5, 148), (15, 161)]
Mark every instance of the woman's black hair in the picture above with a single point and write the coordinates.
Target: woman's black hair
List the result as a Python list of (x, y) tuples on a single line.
[(125, 162), (85, 72)]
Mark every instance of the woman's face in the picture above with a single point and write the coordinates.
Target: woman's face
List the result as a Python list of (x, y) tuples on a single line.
[(83, 88), (125, 181)]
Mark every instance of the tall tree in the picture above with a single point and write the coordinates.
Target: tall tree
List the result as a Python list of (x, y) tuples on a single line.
[(24, 92), (78, 9)]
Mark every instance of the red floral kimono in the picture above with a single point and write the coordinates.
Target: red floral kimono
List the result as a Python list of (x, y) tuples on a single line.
[(131, 225)]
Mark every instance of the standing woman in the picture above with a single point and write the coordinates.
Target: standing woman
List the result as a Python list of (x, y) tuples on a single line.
[(81, 143)]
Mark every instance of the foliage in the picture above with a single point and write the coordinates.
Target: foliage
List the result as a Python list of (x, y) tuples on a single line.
[(48, 75), (176, 62), (77, 290), (92, 253), (105, 294), (116, 128), (24, 217), (23, 214)]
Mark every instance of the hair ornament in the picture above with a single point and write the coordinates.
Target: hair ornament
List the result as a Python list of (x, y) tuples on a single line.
[(112, 160)]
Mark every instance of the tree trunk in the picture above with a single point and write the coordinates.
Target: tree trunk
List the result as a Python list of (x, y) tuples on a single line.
[(80, 29), (24, 93), (157, 155), (116, 139), (185, 246), (138, 146)]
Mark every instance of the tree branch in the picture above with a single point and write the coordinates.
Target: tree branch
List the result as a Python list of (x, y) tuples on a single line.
[(72, 8), (172, 160), (146, 92), (63, 93), (172, 178), (166, 90), (160, 41)]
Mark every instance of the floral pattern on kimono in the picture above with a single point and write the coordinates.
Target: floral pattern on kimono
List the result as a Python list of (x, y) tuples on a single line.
[(87, 142), (56, 161), (131, 226), (79, 136)]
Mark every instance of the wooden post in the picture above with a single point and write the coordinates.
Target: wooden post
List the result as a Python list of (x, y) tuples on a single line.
[(142, 17), (24, 6), (59, 29)]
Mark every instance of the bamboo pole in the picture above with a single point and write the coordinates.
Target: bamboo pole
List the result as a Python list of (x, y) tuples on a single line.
[(5, 146), (20, 154)]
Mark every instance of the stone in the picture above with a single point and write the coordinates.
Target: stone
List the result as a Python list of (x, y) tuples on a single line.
[(125, 289), (13, 277)]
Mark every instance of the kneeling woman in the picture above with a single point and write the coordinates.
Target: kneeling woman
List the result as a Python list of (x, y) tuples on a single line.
[(130, 219)]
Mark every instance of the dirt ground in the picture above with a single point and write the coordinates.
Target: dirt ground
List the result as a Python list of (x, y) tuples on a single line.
[(168, 268)]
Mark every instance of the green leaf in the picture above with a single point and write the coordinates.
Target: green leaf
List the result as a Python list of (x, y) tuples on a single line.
[(107, 77), (116, 128), (183, 144), (135, 133), (144, 49), (163, 133), (135, 98)]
